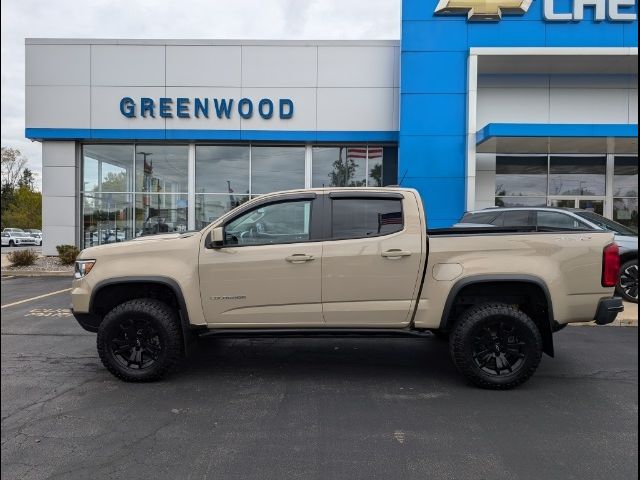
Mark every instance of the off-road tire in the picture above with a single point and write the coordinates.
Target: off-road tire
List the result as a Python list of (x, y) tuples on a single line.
[(620, 290), (476, 323), (158, 316)]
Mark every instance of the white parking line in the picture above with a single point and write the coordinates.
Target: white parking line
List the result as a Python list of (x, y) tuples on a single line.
[(35, 298)]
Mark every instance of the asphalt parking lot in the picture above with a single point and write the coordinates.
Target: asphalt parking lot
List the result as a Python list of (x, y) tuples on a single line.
[(307, 408)]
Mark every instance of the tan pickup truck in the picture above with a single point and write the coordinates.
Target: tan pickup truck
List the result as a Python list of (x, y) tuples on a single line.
[(345, 262)]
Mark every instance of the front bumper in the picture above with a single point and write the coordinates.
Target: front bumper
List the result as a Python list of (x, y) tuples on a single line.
[(89, 321), (608, 309)]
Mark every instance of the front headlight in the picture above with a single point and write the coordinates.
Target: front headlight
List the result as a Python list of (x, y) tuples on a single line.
[(83, 267)]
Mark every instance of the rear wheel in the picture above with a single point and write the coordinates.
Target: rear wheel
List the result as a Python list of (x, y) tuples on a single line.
[(627, 286), (496, 346), (139, 341)]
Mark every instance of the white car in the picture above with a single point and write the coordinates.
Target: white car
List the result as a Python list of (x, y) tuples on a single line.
[(35, 233), (15, 239)]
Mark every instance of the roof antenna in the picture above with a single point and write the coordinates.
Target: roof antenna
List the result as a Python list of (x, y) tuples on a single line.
[(402, 179)]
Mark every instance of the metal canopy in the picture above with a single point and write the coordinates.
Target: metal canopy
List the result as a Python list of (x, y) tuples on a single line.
[(554, 138)]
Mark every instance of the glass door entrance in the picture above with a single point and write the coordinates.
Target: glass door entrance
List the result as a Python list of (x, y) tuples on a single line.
[(595, 204)]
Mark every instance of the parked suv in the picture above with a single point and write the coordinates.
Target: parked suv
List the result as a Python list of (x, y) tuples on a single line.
[(35, 233), (14, 239), (569, 218)]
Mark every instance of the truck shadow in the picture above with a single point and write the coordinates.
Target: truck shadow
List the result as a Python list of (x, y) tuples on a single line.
[(403, 359)]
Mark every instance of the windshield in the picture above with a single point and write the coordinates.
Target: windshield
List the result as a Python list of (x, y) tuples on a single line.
[(607, 224)]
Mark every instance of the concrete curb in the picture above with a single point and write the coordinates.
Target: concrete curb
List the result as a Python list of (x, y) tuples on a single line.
[(23, 273), (624, 322)]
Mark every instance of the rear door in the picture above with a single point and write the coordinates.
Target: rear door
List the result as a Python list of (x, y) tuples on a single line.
[(371, 260)]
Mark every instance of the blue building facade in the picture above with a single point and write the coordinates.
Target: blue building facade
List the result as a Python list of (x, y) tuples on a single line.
[(434, 139)]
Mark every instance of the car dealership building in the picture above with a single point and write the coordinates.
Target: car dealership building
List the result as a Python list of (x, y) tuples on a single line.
[(480, 103)]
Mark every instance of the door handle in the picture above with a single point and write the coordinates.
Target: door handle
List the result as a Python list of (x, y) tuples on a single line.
[(395, 253), (299, 258)]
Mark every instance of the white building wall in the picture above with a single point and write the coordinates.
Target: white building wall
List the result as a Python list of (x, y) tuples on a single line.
[(78, 84), (59, 195), (335, 86), (581, 99)]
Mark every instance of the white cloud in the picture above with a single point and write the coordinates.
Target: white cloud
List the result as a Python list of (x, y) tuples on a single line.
[(215, 19)]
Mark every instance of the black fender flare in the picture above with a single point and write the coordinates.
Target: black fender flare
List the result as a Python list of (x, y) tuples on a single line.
[(183, 313), (547, 328)]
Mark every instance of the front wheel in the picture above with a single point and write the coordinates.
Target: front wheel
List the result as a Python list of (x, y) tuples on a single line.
[(496, 346), (139, 340), (627, 286), (12, 243)]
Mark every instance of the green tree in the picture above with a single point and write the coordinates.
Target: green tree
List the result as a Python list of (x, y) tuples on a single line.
[(376, 175), (113, 182), (344, 169), (13, 163), (25, 211), (26, 180)]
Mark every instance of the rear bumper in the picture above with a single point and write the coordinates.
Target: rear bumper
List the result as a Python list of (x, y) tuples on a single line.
[(608, 309), (89, 321)]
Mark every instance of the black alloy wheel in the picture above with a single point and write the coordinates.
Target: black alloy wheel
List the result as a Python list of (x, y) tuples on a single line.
[(497, 350), (628, 282), (135, 343)]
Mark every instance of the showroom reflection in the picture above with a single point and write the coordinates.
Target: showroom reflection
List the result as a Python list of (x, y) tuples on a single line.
[(570, 181), (133, 190)]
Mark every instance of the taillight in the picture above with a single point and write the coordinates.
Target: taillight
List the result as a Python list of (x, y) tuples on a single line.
[(610, 265)]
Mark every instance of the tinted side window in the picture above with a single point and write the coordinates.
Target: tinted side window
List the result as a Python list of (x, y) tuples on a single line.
[(365, 217), (558, 220), (285, 222), (516, 218), (484, 217)]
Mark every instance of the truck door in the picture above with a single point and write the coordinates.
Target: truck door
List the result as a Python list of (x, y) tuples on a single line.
[(371, 262), (267, 272)]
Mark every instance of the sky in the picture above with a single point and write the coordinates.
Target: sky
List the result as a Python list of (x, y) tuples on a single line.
[(178, 19)]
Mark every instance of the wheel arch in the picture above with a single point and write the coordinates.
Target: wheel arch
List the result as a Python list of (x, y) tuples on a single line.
[(132, 287), (627, 256), (474, 290)]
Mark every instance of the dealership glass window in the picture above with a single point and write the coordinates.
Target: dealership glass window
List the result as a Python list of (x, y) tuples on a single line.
[(106, 218), (342, 166), (160, 213), (521, 176), (107, 168), (375, 164), (276, 168), (625, 177), (521, 201), (210, 207), (625, 191), (161, 168), (577, 176), (222, 169)]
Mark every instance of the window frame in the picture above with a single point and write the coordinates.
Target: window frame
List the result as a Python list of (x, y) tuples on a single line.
[(315, 220), (328, 212)]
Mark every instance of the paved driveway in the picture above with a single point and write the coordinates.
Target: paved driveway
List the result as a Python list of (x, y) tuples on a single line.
[(307, 408)]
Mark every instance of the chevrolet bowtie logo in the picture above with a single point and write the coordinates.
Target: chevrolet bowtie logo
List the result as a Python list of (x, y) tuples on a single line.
[(483, 9)]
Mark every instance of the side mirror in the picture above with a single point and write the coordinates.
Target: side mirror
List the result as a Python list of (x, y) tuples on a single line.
[(215, 238)]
